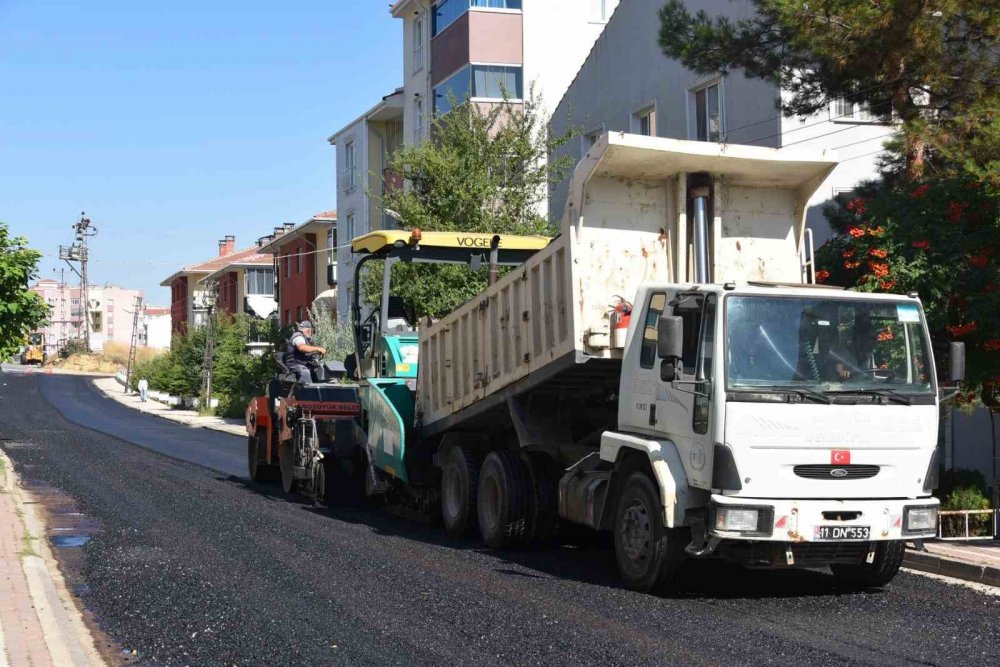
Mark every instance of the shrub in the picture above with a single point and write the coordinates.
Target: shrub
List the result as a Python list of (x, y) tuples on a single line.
[(968, 497), (328, 332)]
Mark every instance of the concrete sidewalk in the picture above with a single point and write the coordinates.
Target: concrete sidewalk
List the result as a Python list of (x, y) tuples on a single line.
[(39, 622), (972, 560), (110, 387)]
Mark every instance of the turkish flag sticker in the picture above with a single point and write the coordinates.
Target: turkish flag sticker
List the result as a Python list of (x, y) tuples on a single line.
[(840, 457)]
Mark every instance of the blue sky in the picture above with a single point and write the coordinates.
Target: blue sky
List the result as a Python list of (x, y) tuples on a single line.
[(174, 123)]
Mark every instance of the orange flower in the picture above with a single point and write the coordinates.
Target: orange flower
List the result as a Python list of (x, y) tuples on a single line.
[(822, 275), (876, 231), (923, 245), (856, 232), (979, 261), (856, 205), (920, 191), (887, 285), (851, 265), (955, 211), (847, 253), (878, 252), (959, 330), (880, 269), (886, 335)]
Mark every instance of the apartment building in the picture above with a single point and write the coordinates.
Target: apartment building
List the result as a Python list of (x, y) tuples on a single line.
[(155, 333), (304, 263), (109, 313), (245, 285), (626, 84), (475, 49), (363, 176)]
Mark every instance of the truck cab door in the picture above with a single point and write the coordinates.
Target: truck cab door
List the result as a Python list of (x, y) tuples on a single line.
[(683, 407)]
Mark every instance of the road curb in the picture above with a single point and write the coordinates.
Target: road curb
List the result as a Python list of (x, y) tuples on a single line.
[(948, 567)]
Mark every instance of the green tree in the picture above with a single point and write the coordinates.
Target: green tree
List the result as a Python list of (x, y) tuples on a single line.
[(21, 310), (933, 63), (484, 170)]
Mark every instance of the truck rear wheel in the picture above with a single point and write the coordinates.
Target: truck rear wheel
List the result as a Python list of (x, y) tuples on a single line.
[(459, 489), (648, 553), (888, 559), (260, 471), (543, 501), (503, 500)]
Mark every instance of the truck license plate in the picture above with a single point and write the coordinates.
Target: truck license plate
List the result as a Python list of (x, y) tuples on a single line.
[(841, 532)]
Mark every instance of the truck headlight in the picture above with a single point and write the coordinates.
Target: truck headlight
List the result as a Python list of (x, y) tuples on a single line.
[(920, 519), (734, 519)]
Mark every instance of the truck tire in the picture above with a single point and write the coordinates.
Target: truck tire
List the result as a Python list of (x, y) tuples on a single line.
[(882, 570), (543, 500), (502, 506), (648, 554), (459, 490), (260, 471)]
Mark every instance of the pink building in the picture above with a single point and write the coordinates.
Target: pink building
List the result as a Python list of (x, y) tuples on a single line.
[(110, 314)]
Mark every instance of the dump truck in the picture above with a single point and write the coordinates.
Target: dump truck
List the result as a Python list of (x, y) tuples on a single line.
[(665, 369)]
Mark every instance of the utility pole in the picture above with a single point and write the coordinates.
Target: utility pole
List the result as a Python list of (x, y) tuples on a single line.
[(134, 343), (78, 253), (209, 356)]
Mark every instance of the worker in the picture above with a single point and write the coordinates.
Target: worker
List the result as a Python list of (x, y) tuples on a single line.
[(298, 349), (143, 388)]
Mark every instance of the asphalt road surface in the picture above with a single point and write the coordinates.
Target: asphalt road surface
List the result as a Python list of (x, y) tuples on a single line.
[(195, 565)]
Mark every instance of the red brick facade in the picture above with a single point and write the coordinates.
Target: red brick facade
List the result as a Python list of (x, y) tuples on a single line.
[(296, 269), (228, 300), (178, 304)]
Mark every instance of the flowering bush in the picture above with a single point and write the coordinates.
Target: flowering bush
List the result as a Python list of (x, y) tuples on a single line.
[(937, 238)]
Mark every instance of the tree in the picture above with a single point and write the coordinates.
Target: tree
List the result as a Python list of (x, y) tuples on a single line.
[(484, 170), (21, 310), (933, 63)]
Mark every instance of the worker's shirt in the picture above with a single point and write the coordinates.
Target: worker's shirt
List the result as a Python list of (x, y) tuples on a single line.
[(293, 355)]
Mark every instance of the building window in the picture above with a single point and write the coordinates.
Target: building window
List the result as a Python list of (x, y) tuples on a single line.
[(842, 111), (331, 245), (447, 12), (601, 9), (288, 266), (418, 43), (479, 82), (350, 165), (287, 319), (298, 260), (708, 113), (418, 118), (644, 121), (298, 314), (350, 226), (260, 281)]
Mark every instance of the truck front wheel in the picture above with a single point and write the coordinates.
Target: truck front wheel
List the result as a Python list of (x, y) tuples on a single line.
[(459, 486), (648, 554), (882, 569)]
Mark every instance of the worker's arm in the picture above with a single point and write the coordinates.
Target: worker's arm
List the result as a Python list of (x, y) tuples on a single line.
[(306, 348)]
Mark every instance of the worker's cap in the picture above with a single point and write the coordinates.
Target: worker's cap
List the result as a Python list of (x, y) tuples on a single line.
[(305, 324)]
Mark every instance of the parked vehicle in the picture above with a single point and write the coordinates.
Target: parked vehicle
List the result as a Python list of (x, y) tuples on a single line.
[(34, 350), (667, 370)]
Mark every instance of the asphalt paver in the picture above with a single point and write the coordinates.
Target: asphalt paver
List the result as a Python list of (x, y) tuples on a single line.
[(196, 565)]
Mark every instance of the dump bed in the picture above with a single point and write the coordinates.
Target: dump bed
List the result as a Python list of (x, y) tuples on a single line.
[(626, 223)]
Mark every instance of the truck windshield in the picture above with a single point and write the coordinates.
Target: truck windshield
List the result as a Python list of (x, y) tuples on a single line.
[(826, 345)]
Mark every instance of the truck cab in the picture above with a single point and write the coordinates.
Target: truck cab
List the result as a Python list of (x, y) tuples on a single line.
[(798, 415)]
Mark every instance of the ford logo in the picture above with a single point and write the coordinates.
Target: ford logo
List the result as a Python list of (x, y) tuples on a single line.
[(838, 472)]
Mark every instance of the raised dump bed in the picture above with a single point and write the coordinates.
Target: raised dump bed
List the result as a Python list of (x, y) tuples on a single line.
[(629, 220)]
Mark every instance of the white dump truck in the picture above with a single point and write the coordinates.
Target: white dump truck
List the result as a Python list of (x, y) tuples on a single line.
[(665, 369)]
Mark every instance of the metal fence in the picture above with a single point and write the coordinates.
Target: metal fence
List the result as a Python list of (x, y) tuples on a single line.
[(969, 529)]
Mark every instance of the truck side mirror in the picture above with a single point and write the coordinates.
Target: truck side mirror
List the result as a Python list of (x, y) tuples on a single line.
[(670, 369), (670, 337), (956, 363)]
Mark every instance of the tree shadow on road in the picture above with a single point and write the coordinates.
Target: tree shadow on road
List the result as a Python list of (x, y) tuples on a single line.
[(577, 553)]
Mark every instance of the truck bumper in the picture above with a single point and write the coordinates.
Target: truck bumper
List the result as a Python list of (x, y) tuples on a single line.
[(831, 521)]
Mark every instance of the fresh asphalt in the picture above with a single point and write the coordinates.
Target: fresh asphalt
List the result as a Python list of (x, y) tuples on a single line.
[(195, 565)]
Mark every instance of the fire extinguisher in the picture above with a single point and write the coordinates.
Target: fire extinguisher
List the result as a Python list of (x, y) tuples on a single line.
[(621, 315)]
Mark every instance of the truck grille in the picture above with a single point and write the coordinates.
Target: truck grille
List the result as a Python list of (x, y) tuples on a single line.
[(836, 472), (813, 554)]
